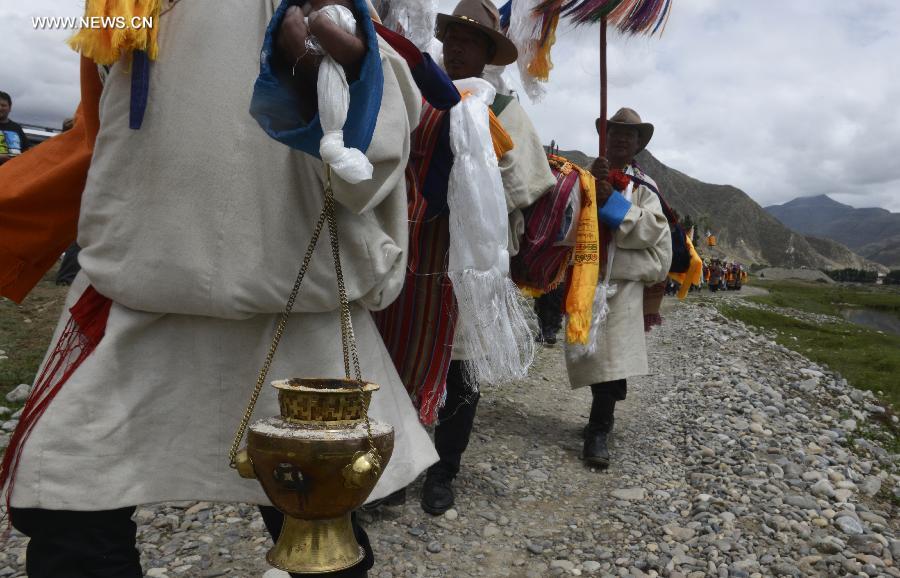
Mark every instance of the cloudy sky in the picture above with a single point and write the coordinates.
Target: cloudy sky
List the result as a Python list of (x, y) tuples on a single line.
[(781, 98)]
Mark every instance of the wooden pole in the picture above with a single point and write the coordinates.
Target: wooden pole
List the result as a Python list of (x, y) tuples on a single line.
[(603, 114)]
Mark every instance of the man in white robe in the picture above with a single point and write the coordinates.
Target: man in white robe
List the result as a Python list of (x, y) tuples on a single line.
[(643, 252)]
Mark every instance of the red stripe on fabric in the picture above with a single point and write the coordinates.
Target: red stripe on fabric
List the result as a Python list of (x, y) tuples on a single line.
[(425, 311), (418, 327), (540, 264)]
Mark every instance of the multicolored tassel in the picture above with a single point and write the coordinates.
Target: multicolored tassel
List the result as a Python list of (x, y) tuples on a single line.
[(541, 64), (627, 16), (534, 34)]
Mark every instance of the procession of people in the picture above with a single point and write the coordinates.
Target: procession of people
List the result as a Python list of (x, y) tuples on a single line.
[(721, 275), (189, 247)]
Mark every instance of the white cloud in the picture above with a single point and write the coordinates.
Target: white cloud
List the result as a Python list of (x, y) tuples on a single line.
[(37, 68), (781, 99)]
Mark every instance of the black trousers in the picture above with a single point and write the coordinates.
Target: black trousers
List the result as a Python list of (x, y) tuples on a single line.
[(603, 403), (69, 267), (549, 310), (66, 544), (455, 421)]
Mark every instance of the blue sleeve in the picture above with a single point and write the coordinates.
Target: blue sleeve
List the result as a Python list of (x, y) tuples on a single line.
[(277, 109), (613, 212)]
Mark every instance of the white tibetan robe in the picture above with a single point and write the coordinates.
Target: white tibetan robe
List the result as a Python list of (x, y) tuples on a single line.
[(643, 254), (195, 227)]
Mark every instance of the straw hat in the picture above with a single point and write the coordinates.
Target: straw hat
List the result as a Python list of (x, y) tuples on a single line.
[(484, 16)]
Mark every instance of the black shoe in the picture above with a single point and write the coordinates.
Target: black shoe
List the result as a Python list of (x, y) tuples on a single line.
[(437, 494), (588, 428), (550, 339), (596, 446)]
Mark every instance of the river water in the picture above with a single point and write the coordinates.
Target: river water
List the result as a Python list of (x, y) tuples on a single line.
[(880, 320)]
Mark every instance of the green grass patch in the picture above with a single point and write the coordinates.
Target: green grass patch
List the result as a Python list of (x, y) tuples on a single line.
[(867, 359), (828, 299), (886, 437), (25, 333)]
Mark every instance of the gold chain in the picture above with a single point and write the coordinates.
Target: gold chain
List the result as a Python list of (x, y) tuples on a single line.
[(348, 339)]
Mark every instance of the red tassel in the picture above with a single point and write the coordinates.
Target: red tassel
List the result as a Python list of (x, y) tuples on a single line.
[(82, 333)]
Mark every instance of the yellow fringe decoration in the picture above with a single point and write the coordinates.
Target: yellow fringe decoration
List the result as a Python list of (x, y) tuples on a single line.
[(541, 65), (503, 143), (106, 45), (586, 270), (694, 273)]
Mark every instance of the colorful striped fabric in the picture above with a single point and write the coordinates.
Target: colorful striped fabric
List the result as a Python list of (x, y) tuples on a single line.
[(418, 328), (540, 265)]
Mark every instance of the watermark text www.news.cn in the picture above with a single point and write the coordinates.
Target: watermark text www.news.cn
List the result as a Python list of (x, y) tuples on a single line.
[(91, 22)]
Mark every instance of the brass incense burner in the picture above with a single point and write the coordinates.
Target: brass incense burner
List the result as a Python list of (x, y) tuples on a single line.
[(315, 464), (321, 457)]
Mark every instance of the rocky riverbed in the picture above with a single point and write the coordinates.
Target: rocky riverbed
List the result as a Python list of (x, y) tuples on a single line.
[(736, 458)]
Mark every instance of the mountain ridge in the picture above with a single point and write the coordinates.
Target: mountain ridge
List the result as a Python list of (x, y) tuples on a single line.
[(871, 232)]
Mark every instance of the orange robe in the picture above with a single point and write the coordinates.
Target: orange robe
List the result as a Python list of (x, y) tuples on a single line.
[(40, 195)]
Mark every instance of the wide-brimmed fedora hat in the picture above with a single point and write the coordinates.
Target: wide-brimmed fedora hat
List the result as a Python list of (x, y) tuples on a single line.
[(484, 16), (629, 118)]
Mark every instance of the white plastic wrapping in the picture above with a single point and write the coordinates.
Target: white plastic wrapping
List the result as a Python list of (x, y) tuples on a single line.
[(475, 188), (349, 164), (493, 316)]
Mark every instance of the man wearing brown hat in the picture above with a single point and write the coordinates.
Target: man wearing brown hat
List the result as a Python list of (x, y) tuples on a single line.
[(429, 353), (643, 251)]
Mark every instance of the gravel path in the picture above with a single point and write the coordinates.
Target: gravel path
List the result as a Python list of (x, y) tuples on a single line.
[(737, 458)]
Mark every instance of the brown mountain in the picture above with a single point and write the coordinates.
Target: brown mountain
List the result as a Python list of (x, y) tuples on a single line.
[(885, 251), (744, 230)]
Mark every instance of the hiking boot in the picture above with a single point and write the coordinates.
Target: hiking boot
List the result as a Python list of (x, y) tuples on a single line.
[(437, 494), (596, 446), (587, 429)]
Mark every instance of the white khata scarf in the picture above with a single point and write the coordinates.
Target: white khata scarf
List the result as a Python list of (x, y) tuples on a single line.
[(492, 328)]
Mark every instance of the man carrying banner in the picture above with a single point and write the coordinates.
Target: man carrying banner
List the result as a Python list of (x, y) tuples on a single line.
[(641, 251)]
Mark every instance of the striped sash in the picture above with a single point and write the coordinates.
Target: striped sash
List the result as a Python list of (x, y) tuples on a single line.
[(418, 328)]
